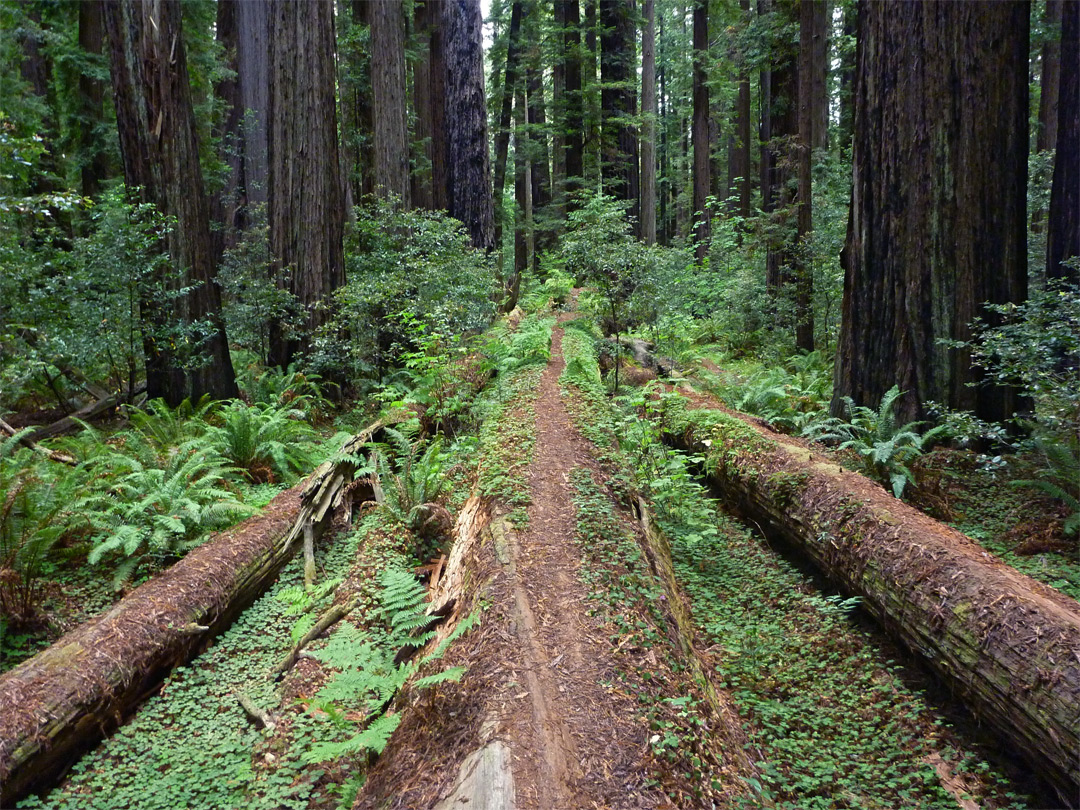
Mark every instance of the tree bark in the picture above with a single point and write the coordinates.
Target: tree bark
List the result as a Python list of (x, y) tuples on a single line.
[(470, 191), (388, 96), (1063, 226), (783, 157), (522, 206), (539, 170), (1050, 78), (572, 123), (810, 13), (702, 164), (509, 88), (936, 228), (739, 144), (95, 166), (160, 152), (846, 124), (307, 212), (618, 74), (1003, 643), (648, 115), (426, 18)]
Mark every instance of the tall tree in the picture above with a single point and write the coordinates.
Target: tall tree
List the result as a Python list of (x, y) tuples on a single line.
[(539, 170), (357, 108), (783, 119), (469, 175), (935, 227), (618, 74), (1063, 236), (160, 152), (648, 116), (306, 211), (506, 101), (571, 105), (811, 24), (702, 163), (95, 162), (1050, 76), (389, 94), (739, 145)]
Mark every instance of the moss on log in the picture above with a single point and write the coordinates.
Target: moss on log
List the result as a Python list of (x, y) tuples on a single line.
[(1006, 645), (66, 698)]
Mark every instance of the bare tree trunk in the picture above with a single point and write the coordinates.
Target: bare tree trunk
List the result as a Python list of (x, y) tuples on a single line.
[(426, 17), (702, 164), (783, 160), (847, 80), (522, 222), (1049, 81), (573, 118), (539, 171), (618, 74), (470, 193), (388, 95), (765, 125), (1063, 237), (161, 158), (739, 146), (509, 88), (648, 114), (91, 98), (307, 212), (802, 268), (936, 226)]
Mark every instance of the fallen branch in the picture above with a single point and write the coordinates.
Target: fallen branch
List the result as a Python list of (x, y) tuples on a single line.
[(1006, 645), (71, 422), (331, 617), (260, 717), (24, 439)]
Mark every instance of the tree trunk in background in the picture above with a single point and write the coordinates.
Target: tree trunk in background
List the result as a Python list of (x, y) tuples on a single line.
[(783, 160), (802, 269), (1046, 137), (470, 194), (388, 100), (847, 79), (702, 164), (509, 87), (160, 152), (572, 124), (618, 74), (936, 228), (306, 212), (819, 67), (1063, 237), (764, 7), (522, 208), (358, 110), (426, 15), (539, 171), (648, 114), (739, 143), (593, 155), (95, 166)]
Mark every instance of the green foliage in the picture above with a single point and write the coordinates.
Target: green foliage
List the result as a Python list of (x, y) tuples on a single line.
[(39, 507), (1060, 477), (417, 480), (415, 262), (369, 676), (267, 442), (885, 447), (166, 428), (159, 511)]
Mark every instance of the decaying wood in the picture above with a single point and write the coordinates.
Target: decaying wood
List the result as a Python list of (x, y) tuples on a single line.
[(25, 441), (331, 617), (309, 555), (95, 408), (63, 700), (1006, 645), (260, 717)]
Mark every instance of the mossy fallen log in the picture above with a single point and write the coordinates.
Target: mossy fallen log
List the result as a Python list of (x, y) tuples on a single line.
[(66, 698), (1007, 646)]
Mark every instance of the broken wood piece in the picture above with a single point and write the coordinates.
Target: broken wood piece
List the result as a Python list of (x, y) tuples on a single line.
[(25, 441), (331, 617), (309, 554), (260, 717)]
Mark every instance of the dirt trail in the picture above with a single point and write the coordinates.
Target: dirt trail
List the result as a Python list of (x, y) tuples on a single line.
[(580, 745)]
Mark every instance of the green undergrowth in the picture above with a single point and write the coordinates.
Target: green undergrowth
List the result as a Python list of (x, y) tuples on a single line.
[(834, 724), (630, 599), (507, 433), (192, 745)]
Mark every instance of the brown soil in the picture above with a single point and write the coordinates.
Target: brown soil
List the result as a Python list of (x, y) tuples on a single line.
[(543, 677)]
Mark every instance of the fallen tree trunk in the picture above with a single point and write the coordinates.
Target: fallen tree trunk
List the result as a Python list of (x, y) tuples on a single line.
[(1006, 645), (67, 697), (95, 408)]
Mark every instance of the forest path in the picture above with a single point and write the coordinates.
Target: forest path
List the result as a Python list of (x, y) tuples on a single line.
[(579, 744)]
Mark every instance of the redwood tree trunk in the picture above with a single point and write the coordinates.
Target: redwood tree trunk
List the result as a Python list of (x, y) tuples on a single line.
[(470, 194), (648, 115), (160, 152), (618, 105), (802, 265), (702, 164), (539, 170), (568, 17), (1063, 237), (388, 95), (739, 146), (95, 166), (509, 88), (938, 218), (307, 212), (783, 159)]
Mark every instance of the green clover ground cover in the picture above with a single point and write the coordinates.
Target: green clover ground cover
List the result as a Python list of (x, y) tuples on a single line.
[(192, 746)]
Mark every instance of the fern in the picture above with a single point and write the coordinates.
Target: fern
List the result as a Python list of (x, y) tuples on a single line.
[(368, 675), (264, 440), (1060, 478)]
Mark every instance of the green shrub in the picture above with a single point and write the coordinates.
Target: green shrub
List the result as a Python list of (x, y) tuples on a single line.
[(266, 442)]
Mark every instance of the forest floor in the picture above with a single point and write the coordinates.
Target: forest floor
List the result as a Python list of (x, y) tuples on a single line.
[(583, 689)]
